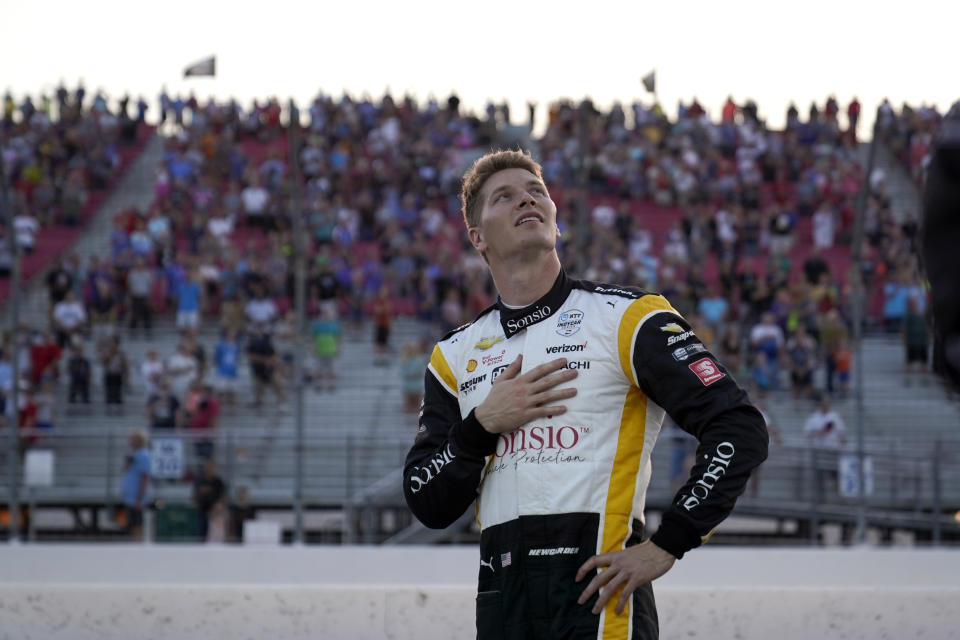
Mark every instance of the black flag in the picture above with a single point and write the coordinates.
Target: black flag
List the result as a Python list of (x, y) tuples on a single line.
[(650, 81), (205, 67)]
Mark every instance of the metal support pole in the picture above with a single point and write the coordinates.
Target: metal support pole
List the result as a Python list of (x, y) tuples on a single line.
[(937, 495), (858, 310), (299, 258), (350, 524), (582, 228), (13, 455)]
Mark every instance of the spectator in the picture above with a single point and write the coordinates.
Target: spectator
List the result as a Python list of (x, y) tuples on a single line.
[(413, 362), (263, 368), (326, 349), (44, 358), (382, 316), (208, 490), (115, 370), (79, 371), (802, 350), (226, 359), (826, 432), (915, 337), (240, 511), (766, 338), (260, 312), (151, 370), (202, 411), (26, 228), (833, 334), (181, 369), (140, 281), (136, 483), (189, 301), (69, 319), (163, 407)]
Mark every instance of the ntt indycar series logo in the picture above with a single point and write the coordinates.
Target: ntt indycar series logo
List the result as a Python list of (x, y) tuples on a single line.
[(568, 323)]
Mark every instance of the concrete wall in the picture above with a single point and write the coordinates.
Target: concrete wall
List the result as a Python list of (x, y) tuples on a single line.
[(158, 592)]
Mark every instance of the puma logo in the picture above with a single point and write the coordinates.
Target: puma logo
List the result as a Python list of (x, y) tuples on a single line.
[(487, 563)]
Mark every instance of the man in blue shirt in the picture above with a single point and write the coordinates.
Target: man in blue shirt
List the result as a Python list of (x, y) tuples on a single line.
[(136, 482)]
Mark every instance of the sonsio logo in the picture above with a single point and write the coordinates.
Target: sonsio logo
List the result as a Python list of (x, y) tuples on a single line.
[(707, 371), (569, 322), (469, 385), (538, 314), (537, 438), (716, 467), (471, 365), (566, 348), (679, 338), (422, 475), (486, 343), (489, 360)]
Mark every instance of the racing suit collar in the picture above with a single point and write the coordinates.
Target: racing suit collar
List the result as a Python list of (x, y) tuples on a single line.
[(515, 320)]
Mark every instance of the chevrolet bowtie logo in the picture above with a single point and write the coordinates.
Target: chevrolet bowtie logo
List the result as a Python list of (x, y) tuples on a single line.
[(672, 327), (486, 343)]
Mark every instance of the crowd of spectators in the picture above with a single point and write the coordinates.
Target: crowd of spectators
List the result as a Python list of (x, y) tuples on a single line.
[(743, 227), (55, 154)]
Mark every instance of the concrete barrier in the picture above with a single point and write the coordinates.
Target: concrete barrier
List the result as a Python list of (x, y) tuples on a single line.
[(158, 592)]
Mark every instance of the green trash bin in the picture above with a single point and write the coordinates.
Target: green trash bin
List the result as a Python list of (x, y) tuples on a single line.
[(176, 523)]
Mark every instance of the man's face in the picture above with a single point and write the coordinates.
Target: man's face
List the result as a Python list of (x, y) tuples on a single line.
[(517, 216)]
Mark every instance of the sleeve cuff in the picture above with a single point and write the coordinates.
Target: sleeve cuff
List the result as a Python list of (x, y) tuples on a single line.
[(675, 536), (471, 438)]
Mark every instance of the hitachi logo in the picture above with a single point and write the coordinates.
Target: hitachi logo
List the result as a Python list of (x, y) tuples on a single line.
[(716, 467), (534, 316), (566, 348)]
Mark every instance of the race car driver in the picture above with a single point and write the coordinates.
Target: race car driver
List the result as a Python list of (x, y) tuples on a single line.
[(545, 410)]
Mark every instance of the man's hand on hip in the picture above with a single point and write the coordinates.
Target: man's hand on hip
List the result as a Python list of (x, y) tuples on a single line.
[(625, 571), (515, 399)]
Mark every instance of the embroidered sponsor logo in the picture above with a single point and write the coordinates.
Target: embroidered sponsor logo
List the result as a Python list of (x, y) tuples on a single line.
[(686, 335), (470, 385), (671, 327), (471, 365), (555, 551), (487, 563), (622, 292), (716, 467), (577, 364), (422, 475), (497, 371), (682, 353), (486, 343), (566, 348), (538, 314), (569, 322), (490, 360), (707, 370)]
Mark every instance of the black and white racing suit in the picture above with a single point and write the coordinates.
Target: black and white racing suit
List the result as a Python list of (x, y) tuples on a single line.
[(558, 490)]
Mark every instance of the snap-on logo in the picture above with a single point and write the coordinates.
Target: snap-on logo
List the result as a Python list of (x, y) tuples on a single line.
[(707, 371), (569, 322)]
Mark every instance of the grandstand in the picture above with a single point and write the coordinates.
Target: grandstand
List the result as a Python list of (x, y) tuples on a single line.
[(376, 172)]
